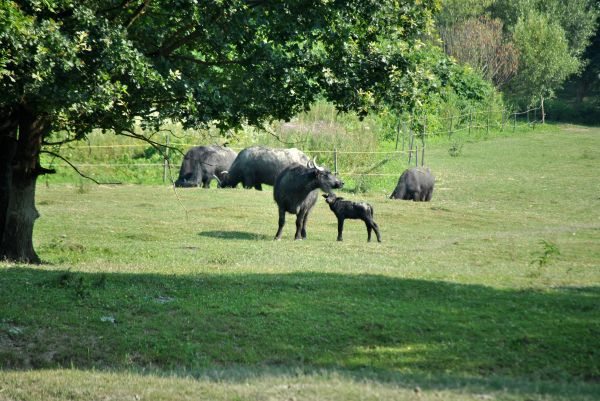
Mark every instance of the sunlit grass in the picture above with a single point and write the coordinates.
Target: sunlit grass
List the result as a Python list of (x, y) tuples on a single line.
[(182, 294)]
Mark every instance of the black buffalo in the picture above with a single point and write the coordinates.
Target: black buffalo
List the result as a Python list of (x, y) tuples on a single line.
[(258, 165), (414, 184), (203, 163), (344, 209), (296, 191)]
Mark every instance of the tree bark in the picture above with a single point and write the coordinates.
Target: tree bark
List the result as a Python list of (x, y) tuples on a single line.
[(8, 147), (18, 176), (543, 111)]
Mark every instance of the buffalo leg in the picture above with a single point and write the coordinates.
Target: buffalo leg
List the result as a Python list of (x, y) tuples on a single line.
[(281, 223), (340, 229), (376, 228), (400, 193), (258, 187), (299, 225), (369, 228), (304, 220), (247, 182), (205, 182)]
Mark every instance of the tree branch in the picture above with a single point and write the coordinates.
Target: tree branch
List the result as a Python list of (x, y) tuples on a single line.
[(59, 143), (156, 145), (123, 4), (39, 170), (174, 42), (207, 63), (256, 3), (137, 13), (276, 136), (77, 170)]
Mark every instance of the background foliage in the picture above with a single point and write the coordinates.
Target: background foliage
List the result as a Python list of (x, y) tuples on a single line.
[(549, 38)]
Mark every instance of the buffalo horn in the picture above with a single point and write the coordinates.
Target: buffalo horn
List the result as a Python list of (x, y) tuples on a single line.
[(316, 165)]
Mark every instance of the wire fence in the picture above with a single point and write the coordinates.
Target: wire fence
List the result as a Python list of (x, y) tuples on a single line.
[(412, 135)]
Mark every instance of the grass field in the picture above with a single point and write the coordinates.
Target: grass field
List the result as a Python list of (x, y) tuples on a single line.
[(491, 291)]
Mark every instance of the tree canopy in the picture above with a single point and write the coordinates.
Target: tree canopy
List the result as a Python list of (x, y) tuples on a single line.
[(100, 63), (578, 18), (544, 57)]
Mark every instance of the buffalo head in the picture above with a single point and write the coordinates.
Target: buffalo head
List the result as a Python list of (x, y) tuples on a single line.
[(326, 181), (223, 179)]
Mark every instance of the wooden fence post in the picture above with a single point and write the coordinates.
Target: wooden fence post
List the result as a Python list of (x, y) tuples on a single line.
[(335, 169), (515, 122), (450, 132), (410, 145), (487, 128), (411, 138), (423, 141), (417, 155)]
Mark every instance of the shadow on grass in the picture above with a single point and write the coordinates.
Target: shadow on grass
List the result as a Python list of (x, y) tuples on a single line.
[(370, 327), (243, 235)]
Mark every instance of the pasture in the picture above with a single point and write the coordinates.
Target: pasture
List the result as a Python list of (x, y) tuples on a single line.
[(490, 291)]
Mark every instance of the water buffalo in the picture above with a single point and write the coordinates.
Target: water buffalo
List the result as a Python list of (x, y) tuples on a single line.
[(258, 165), (344, 209), (203, 163), (296, 191), (414, 184)]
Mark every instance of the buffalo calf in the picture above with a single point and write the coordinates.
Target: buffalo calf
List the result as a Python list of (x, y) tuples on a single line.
[(344, 209)]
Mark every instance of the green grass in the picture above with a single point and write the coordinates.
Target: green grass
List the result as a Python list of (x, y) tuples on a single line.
[(151, 293)]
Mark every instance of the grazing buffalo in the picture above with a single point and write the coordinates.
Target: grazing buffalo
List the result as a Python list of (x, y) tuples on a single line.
[(259, 165), (203, 163), (344, 209), (296, 191), (414, 184)]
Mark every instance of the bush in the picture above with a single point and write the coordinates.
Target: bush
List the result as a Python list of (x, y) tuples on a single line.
[(461, 94), (561, 110)]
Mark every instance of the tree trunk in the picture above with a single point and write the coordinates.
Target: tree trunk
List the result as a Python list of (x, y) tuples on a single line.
[(543, 111), (8, 147), (19, 170), (581, 90)]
